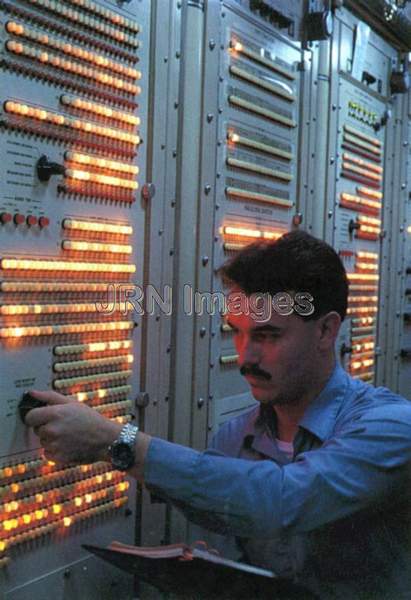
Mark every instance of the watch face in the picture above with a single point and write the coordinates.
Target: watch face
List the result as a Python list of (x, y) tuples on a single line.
[(122, 456)]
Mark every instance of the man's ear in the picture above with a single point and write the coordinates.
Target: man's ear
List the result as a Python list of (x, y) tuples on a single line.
[(328, 327)]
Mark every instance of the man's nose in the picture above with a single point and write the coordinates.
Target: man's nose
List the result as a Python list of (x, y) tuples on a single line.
[(249, 353)]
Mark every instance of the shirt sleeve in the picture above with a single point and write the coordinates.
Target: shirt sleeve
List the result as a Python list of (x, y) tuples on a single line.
[(365, 461)]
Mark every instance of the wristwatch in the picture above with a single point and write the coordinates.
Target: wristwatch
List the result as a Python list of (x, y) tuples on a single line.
[(121, 451)]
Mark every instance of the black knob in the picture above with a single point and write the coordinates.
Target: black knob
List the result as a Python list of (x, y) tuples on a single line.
[(46, 168), (318, 25), (352, 226), (383, 121), (27, 403)]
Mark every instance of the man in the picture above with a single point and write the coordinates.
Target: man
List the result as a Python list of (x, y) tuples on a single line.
[(315, 479)]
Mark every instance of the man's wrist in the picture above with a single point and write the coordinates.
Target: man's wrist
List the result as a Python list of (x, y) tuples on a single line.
[(110, 435)]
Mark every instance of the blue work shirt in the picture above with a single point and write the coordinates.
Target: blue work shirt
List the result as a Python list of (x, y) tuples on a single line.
[(336, 517)]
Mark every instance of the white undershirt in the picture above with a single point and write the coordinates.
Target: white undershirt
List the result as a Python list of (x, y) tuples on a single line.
[(286, 448)]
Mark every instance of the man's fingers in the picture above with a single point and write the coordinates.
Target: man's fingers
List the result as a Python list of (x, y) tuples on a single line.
[(51, 397), (39, 416)]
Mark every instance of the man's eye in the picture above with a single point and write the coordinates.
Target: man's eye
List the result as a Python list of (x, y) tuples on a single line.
[(266, 336)]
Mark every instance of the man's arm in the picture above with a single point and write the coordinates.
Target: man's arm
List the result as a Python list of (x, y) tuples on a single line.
[(365, 461)]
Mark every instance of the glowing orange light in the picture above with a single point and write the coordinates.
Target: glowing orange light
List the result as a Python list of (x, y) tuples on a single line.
[(97, 227)]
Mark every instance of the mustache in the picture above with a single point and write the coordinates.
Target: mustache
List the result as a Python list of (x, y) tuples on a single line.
[(254, 371)]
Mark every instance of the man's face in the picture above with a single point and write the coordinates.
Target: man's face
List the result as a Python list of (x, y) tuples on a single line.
[(279, 357)]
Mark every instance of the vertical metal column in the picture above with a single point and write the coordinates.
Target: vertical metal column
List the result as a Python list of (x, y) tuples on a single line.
[(187, 207), (159, 201), (320, 162)]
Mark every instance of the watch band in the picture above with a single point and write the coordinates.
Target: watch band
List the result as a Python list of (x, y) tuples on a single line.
[(128, 434), (122, 451)]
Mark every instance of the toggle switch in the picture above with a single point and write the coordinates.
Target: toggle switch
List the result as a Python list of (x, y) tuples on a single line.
[(46, 168)]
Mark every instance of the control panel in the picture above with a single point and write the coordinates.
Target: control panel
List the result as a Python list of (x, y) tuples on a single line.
[(257, 169), (73, 105)]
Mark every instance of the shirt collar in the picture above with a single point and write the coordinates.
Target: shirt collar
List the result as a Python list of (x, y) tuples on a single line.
[(319, 418)]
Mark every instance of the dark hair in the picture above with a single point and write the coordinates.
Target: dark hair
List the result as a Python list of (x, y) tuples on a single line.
[(296, 262)]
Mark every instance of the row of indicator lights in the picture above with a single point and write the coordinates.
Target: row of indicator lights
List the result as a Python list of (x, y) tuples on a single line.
[(40, 114), (364, 266), (251, 233), (49, 309), (86, 379), (108, 361), (95, 226), (363, 136), (71, 67), (237, 46), (363, 288), (363, 163), (53, 498), (80, 19), (103, 393), (362, 277), (114, 407), (60, 265), (100, 110), (24, 523), (359, 202), (65, 522), (80, 246), (50, 496), (355, 299), (363, 321), (102, 163), (236, 138), (49, 287), (93, 347), (350, 166), (19, 219), (362, 309), (86, 176), (111, 480), (48, 473), (107, 14), (79, 52), (46, 330), (72, 477), (353, 140)]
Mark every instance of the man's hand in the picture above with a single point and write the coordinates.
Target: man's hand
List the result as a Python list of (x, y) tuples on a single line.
[(69, 431)]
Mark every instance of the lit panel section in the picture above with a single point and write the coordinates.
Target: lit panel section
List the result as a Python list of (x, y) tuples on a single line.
[(11, 264)]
